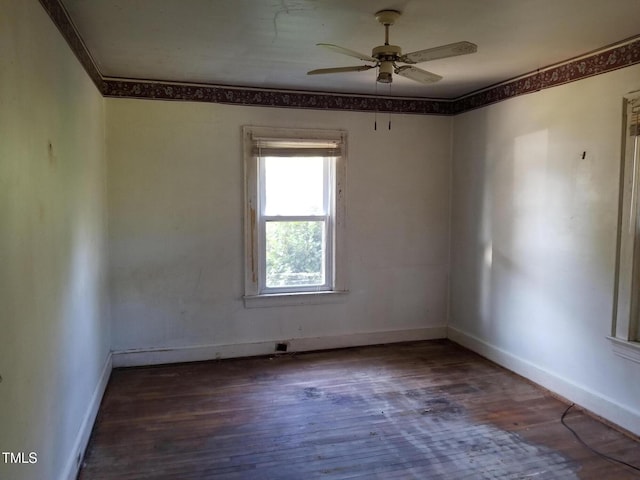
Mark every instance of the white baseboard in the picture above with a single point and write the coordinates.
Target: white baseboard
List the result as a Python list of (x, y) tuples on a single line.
[(155, 356), (82, 439), (595, 402)]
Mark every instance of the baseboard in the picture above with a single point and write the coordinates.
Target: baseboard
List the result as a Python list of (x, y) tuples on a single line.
[(155, 356), (586, 398), (82, 438)]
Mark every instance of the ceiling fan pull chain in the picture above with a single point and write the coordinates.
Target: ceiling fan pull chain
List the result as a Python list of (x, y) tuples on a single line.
[(375, 115), (389, 110)]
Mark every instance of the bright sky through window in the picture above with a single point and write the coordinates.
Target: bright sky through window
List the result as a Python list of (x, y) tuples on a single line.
[(294, 186)]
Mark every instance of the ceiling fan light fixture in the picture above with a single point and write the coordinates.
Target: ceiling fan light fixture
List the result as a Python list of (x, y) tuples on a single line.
[(385, 72), (384, 77)]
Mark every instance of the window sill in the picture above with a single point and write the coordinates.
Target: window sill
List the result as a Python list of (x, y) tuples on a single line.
[(626, 349), (292, 299)]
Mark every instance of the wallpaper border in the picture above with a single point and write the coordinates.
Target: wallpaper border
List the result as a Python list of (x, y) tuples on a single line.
[(623, 54), (273, 98)]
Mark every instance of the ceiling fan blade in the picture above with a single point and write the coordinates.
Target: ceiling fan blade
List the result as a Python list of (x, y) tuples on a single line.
[(444, 51), (346, 51), (417, 74), (320, 71)]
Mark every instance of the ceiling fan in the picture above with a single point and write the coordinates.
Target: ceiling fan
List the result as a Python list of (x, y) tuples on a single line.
[(386, 57)]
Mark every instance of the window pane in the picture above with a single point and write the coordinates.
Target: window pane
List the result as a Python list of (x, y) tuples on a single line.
[(294, 185), (295, 254)]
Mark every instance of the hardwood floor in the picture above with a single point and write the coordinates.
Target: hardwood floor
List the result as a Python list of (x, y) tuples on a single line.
[(424, 410)]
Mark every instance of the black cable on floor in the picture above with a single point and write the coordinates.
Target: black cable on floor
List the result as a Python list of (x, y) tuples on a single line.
[(593, 450)]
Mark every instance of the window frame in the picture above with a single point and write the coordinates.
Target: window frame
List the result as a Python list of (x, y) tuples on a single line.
[(256, 293), (328, 175), (625, 328)]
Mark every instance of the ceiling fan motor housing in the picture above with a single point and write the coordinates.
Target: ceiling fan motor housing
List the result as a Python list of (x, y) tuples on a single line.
[(386, 56), (387, 53)]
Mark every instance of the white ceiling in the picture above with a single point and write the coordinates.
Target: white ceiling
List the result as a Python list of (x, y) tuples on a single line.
[(271, 43)]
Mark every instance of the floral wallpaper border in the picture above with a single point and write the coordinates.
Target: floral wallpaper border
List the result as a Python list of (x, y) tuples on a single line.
[(273, 98), (622, 55)]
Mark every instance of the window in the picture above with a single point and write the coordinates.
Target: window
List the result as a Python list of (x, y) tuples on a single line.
[(294, 214), (626, 320)]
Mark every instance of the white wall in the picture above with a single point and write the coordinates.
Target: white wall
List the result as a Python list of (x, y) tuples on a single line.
[(534, 239), (54, 325), (176, 208)]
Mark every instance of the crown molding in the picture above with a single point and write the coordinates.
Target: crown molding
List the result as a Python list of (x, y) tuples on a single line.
[(620, 55)]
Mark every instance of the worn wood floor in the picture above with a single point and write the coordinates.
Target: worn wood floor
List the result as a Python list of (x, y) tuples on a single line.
[(424, 410)]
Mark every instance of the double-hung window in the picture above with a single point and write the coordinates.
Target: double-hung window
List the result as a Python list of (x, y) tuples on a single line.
[(294, 212), (626, 322)]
